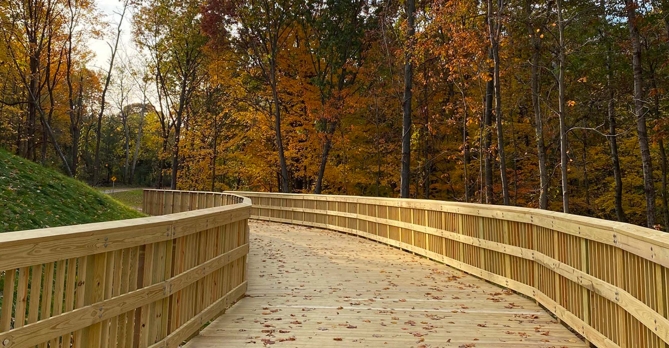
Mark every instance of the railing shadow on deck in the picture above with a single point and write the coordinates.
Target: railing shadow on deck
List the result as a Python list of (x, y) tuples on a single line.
[(147, 282), (608, 281)]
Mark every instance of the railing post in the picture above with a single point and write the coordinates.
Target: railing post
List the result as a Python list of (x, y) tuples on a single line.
[(427, 236), (556, 276), (660, 292), (145, 201), (535, 242), (507, 257), (94, 286), (481, 235), (585, 292), (461, 231), (443, 240), (413, 232), (137, 329), (619, 280)]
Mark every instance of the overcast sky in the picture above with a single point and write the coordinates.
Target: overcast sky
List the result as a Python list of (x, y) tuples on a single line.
[(111, 9)]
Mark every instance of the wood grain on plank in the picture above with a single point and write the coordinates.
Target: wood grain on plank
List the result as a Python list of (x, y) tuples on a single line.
[(308, 287)]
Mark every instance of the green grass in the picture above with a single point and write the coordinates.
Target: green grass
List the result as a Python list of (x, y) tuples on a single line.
[(32, 196), (133, 198)]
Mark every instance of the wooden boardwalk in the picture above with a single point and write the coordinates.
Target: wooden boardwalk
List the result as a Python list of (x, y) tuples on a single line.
[(317, 288)]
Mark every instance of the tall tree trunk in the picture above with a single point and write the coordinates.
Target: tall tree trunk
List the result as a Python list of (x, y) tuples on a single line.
[(161, 162), (175, 159), (126, 132), (285, 187), (639, 114), (178, 123), (663, 154), (51, 79), (75, 119), (495, 32), (43, 142), (73, 112), (465, 146), (324, 155), (214, 156), (427, 136), (377, 143), (98, 129), (138, 141), (34, 91), (665, 199), (516, 178), (408, 88), (612, 138), (487, 136), (535, 85), (564, 158), (584, 162), (615, 159)]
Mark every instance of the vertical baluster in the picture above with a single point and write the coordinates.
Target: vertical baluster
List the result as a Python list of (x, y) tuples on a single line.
[(8, 300), (22, 297), (47, 295)]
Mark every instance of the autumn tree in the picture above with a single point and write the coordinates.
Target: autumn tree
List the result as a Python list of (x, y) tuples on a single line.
[(333, 40), (261, 30), (171, 32), (31, 37), (640, 111)]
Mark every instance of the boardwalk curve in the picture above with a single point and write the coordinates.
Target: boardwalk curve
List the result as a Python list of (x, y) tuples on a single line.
[(317, 288)]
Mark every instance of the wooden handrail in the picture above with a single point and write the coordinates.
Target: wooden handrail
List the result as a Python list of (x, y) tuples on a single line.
[(608, 281), (148, 282)]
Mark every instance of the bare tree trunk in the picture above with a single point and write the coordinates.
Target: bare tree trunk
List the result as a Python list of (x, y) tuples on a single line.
[(408, 88), (584, 162), (495, 32), (535, 86), (34, 91), (564, 158), (51, 80), (665, 199), (516, 178), (138, 141), (465, 146), (377, 142), (639, 113), (175, 159), (126, 132), (486, 141), (98, 130), (663, 155), (214, 156), (426, 113), (161, 175), (285, 187), (327, 146), (612, 138), (43, 142), (178, 123), (613, 144), (73, 112)]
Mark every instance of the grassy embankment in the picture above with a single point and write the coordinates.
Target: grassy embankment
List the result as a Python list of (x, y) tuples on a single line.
[(32, 196)]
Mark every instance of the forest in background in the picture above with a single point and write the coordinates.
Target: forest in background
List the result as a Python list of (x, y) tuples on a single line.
[(550, 104)]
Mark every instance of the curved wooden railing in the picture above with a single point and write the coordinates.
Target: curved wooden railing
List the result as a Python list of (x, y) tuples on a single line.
[(608, 281), (134, 283)]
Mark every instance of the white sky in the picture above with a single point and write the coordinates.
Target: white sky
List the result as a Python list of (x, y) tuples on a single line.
[(111, 9)]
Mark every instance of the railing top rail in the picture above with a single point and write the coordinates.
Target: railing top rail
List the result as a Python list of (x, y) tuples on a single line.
[(637, 239), (23, 248)]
